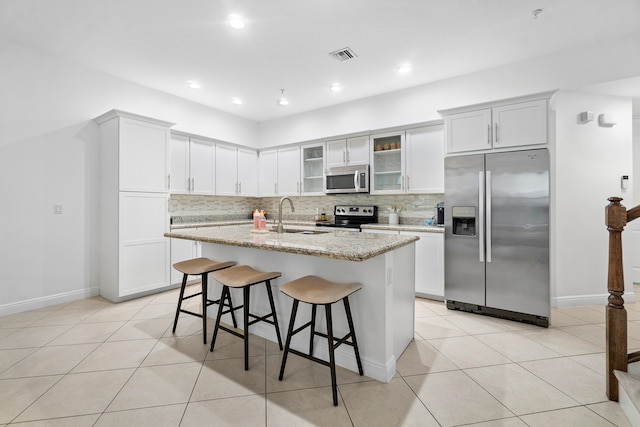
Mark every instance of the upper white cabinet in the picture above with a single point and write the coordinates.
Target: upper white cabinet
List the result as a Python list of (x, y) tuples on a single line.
[(387, 166), (410, 161), (236, 171), (503, 125), (134, 254), (247, 172), (268, 173), (312, 169), (424, 159), (202, 166), (142, 155), (289, 171), (192, 165), (348, 151), (226, 170)]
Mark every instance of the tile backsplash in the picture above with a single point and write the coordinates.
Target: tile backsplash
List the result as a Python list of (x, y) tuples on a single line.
[(414, 208)]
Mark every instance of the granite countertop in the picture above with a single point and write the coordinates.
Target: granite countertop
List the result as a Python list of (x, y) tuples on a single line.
[(345, 245), (377, 226), (405, 227)]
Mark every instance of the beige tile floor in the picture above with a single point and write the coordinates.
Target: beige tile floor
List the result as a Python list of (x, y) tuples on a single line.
[(93, 363)]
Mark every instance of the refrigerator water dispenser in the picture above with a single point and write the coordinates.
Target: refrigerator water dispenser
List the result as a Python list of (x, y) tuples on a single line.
[(464, 220)]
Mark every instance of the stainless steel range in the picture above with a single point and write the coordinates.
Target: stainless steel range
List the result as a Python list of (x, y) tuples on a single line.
[(349, 216)]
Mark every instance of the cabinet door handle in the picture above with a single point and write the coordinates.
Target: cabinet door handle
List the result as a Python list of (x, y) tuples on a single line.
[(496, 133), (239, 188), (169, 182), (344, 156), (489, 134), (407, 182), (275, 188), (193, 184), (348, 155)]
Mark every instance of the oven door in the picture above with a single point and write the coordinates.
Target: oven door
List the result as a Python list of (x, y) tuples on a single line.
[(347, 179)]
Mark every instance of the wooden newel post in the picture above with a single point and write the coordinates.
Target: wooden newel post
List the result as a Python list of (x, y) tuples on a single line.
[(615, 219)]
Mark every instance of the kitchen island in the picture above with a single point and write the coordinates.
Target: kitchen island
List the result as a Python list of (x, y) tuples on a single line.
[(383, 310)]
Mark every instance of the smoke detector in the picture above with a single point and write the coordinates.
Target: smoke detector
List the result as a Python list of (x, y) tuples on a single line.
[(344, 54)]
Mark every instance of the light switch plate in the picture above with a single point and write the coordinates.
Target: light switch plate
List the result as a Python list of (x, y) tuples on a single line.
[(57, 209)]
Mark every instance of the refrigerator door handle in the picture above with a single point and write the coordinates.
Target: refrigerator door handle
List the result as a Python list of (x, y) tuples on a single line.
[(481, 216), (488, 223)]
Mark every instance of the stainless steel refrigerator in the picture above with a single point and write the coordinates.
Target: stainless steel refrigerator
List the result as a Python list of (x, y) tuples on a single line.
[(497, 234)]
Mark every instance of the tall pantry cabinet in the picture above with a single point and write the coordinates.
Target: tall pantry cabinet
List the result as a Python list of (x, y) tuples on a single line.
[(134, 193)]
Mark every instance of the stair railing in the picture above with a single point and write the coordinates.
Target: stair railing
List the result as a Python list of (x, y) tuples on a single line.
[(618, 358)]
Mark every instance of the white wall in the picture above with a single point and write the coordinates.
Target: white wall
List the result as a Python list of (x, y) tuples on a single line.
[(635, 225), (565, 70), (48, 155), (587, 163)]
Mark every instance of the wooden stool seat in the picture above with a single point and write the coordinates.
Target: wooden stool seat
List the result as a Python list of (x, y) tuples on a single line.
[(244, 276), (316, 291), (200, 267)]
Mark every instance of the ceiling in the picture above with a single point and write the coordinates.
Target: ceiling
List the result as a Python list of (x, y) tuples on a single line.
[(285, 44)]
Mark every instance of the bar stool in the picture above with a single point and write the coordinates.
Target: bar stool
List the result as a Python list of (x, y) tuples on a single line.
[(202, 267), (318, 291), (244, 276)]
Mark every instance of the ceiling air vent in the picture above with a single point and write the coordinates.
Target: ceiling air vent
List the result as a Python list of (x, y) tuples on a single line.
[(343, 54)]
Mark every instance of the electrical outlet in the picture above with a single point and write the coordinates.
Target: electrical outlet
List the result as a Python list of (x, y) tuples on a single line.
[(57, 209)]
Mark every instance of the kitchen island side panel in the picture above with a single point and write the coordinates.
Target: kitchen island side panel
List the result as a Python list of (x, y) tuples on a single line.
[(383, 310)]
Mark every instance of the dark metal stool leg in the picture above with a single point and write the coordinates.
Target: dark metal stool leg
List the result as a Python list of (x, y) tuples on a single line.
[(245, 312), (273, 312), (225, 291), (347, 308), (332, 359), (313, 328), (233, 316), (294, 310), (184, 285), (205, 302)]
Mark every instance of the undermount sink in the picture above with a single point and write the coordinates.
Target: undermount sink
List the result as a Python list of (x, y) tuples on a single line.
[(294, 231)]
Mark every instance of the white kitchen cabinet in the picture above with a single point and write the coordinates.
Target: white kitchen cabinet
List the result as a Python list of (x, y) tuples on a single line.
[(387, 165), (236, 171), (143, 156), (202, 164), (408, 162), (289, 171), (192, 165), (512, 124), (134, 254), (312, 169), (429, 262), (268, 173), (226, 170), (182, 250), (429, 274), (180, 180), (424, 160), (247, 172), (348, 151)]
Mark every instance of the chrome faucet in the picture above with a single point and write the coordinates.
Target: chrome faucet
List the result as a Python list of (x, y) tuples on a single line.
[(280, 227)]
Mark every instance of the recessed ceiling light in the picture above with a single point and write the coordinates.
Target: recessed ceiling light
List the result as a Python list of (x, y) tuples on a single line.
[(193, 84), (236, 100), (335, 87), (236, 21), (282, 101), (404, 68)]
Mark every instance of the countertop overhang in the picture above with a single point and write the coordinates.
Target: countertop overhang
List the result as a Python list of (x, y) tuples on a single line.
[(344, 245)]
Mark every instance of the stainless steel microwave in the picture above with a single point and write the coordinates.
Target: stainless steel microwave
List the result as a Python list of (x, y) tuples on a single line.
[(347, 179)]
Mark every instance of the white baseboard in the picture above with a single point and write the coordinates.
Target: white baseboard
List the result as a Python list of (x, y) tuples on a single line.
[(42, 302), (580, 300)]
